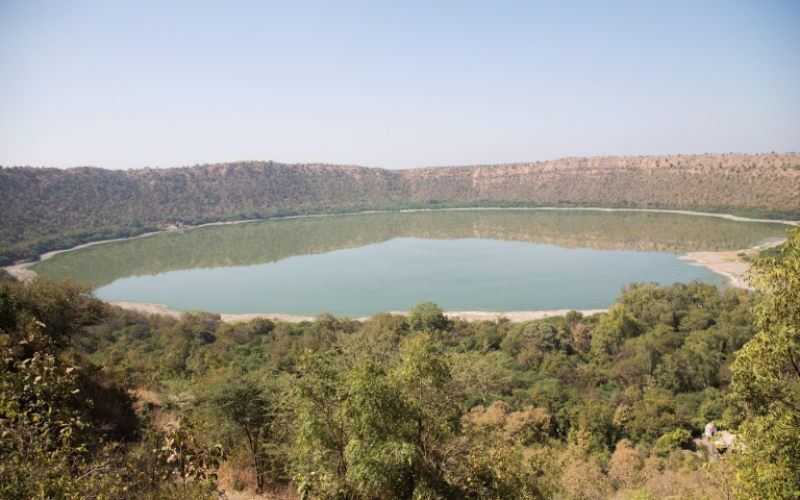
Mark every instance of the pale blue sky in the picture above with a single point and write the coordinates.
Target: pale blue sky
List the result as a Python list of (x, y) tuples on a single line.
[(128, 84)]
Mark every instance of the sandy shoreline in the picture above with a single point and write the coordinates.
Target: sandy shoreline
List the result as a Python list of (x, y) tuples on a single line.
[(22, 271), (513, 316), (728, 264), (725, 263)]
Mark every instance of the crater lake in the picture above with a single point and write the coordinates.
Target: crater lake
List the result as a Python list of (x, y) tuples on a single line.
[(358, 265)]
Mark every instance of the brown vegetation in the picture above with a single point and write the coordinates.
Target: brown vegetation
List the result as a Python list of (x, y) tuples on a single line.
[(46, 209)]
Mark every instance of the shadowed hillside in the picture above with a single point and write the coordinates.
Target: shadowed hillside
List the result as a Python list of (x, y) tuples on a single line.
[(47, 209)]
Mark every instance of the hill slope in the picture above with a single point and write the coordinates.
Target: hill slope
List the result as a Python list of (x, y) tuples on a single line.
[(46, 209)]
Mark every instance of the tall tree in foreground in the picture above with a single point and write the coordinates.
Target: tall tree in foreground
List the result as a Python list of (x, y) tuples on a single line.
[(251, 405), (766, 378), (378, 433)]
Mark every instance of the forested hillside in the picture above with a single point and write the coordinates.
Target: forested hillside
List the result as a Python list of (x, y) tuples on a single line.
[(46, 209)]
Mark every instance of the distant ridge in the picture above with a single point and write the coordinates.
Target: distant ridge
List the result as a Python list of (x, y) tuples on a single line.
[(44, 209)]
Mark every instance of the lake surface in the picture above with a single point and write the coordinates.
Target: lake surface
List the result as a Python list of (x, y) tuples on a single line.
[(493, 260)]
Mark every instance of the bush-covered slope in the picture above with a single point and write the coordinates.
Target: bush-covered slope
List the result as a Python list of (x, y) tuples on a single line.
[(47, 209), (98, 402)]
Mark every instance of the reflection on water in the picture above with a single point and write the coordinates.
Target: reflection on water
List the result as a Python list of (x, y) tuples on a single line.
[(251, 244)]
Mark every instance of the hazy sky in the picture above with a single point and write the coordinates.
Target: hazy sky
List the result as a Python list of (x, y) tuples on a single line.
[(128, 84)]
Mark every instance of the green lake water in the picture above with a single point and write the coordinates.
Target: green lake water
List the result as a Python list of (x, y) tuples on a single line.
[(493, 260)]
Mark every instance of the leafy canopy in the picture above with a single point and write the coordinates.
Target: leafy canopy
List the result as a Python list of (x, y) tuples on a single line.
[(766, 378)]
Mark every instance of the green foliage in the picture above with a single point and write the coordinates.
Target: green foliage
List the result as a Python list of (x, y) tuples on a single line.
[(379, 409), (484, 376), (612, 331), (9, 308), (374, 433), (252, 406), (321, 434), (186, 459), (536, 335), (766, 378), (770, 252), (428, 317), (501, 472), (64, 309), (592, 426), (49, 446), (41, 441), (672, 440), (646, 417)]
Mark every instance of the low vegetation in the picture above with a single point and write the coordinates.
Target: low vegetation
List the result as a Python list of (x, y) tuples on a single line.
[(99, 402)]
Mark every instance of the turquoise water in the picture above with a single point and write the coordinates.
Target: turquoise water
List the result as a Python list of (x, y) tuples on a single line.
[(459, 274)]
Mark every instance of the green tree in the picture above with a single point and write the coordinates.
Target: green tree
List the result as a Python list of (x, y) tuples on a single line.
[(49, 446), (41, 446), (650, 417), (252, 406), (612, 330), (185, 458), (428, 317), (536, 335), (671, 440), (64, 309), (425, 379), (369, 432), (766, 378), (321, 435)]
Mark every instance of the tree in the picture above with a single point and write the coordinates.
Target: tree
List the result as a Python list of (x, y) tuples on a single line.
[(766, 378), (188, 460), (369, 432), (425, 379), (49, 445), (536, 334), (612, 330), (64, 308), (650, 417), (428, 317), (252, 406), (321, 435), (40, 431)]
